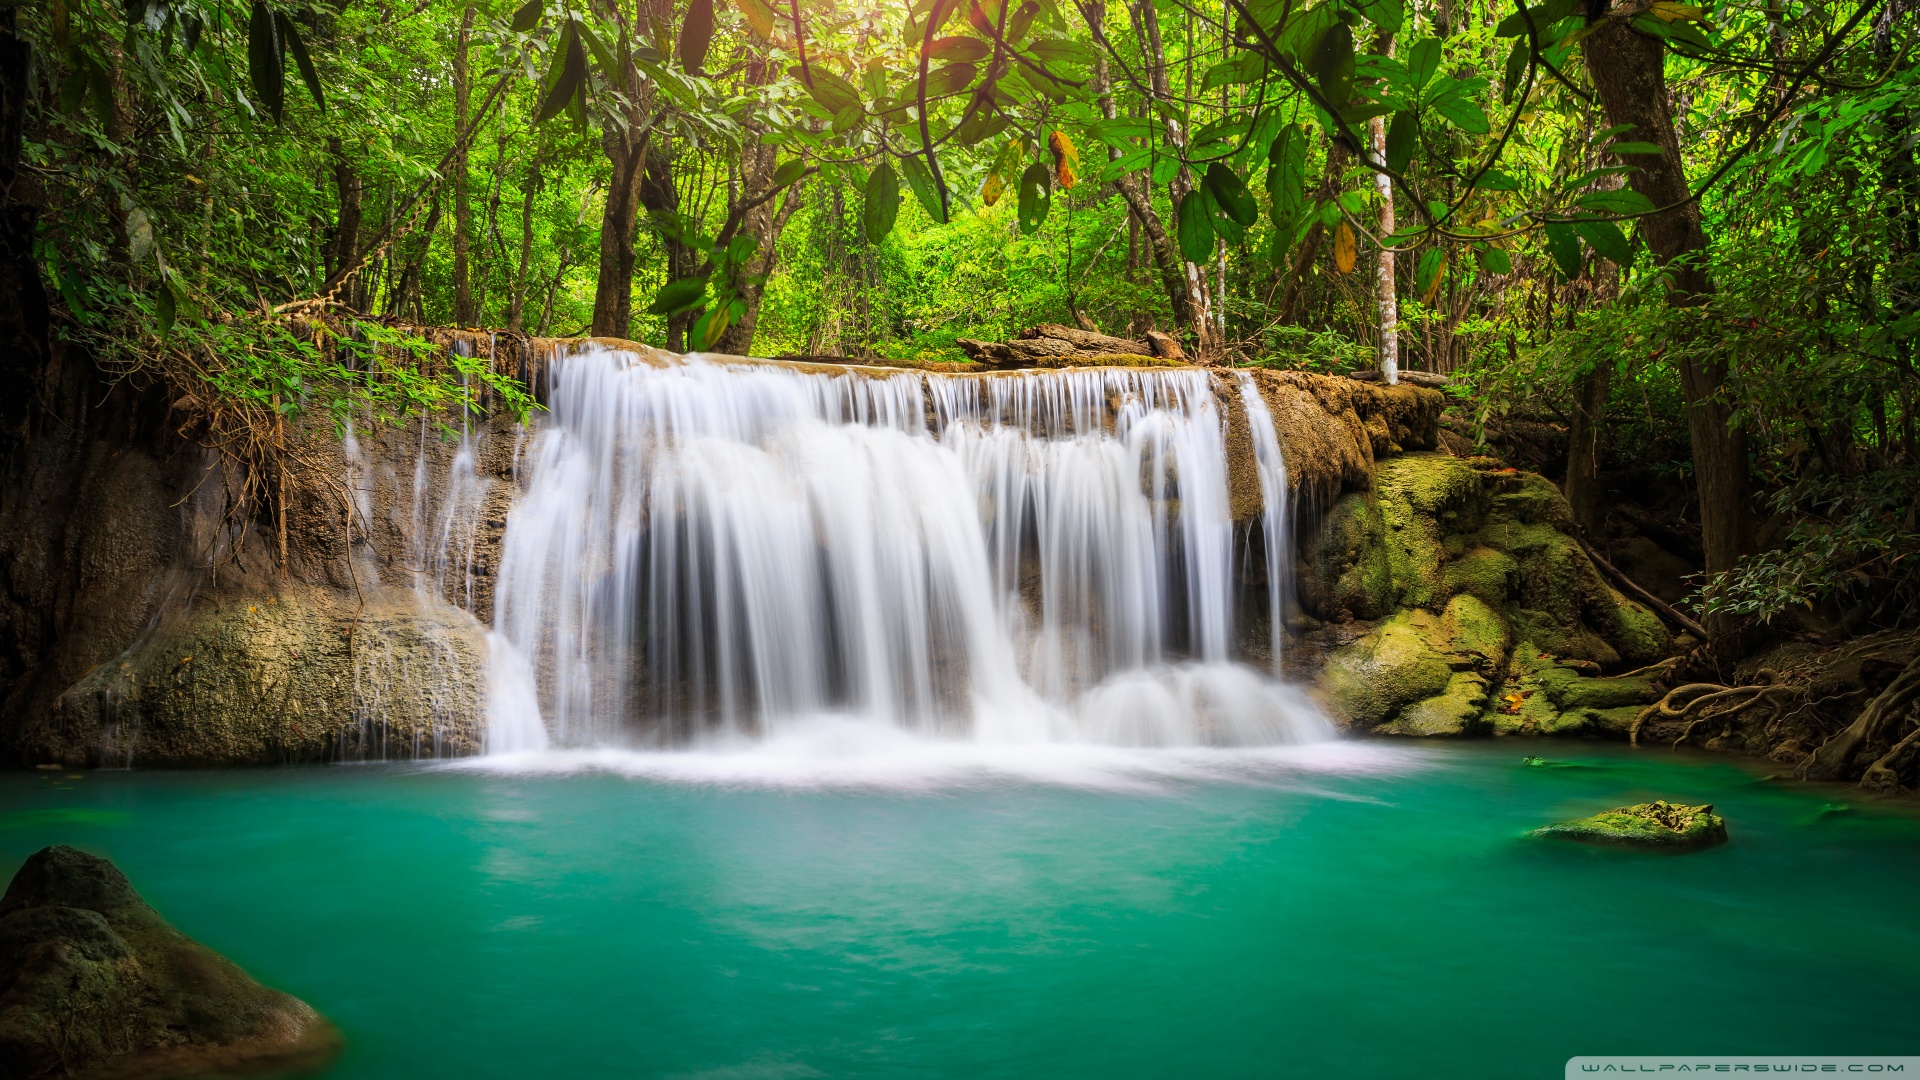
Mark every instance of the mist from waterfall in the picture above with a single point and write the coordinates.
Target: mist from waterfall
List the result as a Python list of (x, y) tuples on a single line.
[(712, 552)]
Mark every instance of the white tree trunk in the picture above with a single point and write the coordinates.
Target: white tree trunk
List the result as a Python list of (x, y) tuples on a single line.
[(1386, 302)]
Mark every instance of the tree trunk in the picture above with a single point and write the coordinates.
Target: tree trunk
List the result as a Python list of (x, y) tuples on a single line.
[(1629, 74), (1582, 486), (1135, 190), (344, 252), (463, 307), (661, 196), (1194, 308), (517, 306), (1386, 300), (627, 147), (25, 320), (764, 222)]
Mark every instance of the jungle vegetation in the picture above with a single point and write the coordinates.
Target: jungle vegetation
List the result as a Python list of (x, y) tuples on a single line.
[(1684, 238)]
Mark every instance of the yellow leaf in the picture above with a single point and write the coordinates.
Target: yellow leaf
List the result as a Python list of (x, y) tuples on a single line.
[(991, 190), (1668, 11), (1343, 249), (1065, 157)]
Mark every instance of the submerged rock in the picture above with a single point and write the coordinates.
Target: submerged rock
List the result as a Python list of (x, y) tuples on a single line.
[(1658, 824), (98, 984)]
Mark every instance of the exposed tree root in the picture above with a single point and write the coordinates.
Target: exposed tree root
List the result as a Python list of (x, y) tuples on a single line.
[(1876, 725), (1884, 774), (1677, 703), (1742, 698)]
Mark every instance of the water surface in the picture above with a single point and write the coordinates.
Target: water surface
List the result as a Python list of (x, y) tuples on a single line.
[(1358, 910)]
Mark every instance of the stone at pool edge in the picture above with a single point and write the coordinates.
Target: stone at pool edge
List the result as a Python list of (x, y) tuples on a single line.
[(76, 941), (1658, 825)]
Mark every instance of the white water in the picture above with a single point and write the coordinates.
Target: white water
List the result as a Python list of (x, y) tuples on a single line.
[(724, 554)]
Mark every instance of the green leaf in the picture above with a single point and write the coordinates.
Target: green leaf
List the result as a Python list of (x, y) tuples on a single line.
[(1635, 148), (1403, 136), (1195, 218), (1060, 51), (1463, 114), (1287, 174), (1494, 261), (266, 61), (1036, 196), (569, 69), (677, 296), (921, 181), (1021, 20), (1516, 23), (1388, 15), (1618, 201), (1422, 61), (831, 91), (1564, 246), (164, 309), (847, 119), (883, 202), (1606, 238), (696, 33), (1333, 63), (1516, 71), (1230, 194), (1495, 180), (1432, 261), (1245, 67), (959, 49), (527, 16), (951, 79), (290, 38), (1132, 161), (789, 171)]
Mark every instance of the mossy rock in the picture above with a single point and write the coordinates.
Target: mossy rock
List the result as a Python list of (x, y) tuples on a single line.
[(1482, 571), (1476, 630), (98, 984), (1346, 573), (1521, 705), (1657, 825), (1424, 498), (1637, 632), (301, 675), (1532, 499), (1369, 681), (1454, 711), (1569, 689)]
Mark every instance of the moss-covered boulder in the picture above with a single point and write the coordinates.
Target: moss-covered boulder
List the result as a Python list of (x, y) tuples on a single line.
[(1461, 557), (1658, 825), (96, 984), (1344, 572), (1371, 680), (1545, 695), (290, 676), (1419, 674)]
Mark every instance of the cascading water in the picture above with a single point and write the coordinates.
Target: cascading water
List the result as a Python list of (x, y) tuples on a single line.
[(720, 550)]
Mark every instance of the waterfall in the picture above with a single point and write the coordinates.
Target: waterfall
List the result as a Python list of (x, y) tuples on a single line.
[(709, 550), (1276, 529)]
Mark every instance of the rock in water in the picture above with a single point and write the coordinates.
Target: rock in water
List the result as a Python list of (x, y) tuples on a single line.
[(1659, 824), (96, 983)]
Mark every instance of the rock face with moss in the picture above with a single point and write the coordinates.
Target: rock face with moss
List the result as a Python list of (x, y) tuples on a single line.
[(1659, 825), (98, 984), (1477, 609)]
